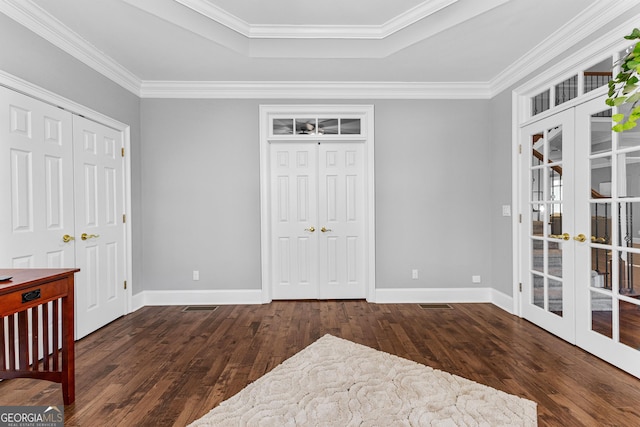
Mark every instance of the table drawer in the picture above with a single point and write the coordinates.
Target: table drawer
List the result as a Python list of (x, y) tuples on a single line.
[(32, 296)]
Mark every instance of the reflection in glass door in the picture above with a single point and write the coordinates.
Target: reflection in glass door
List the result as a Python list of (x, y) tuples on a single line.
[(608, 261), (547, 257)]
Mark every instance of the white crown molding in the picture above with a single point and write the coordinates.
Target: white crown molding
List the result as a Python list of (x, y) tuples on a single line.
[(413, 15), (375, 32), (361, 32), (315, 90), (221, 16), (46, 26), (583, 25)]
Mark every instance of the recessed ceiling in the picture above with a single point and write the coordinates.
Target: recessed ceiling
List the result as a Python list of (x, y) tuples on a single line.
[(347, 29), (314, 12), (362, 43), (373, 19)]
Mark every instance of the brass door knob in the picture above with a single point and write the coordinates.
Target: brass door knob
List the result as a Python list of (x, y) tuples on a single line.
[(564, 236), (311, 229), (580, 237), (324, 230), (595, 239), (66, 238), (86, 236)]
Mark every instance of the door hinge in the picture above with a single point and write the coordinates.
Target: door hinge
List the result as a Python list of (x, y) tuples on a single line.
[(122, 151), (520, 218), (518, 284), (125, 284), (519, 149), (124, 218)]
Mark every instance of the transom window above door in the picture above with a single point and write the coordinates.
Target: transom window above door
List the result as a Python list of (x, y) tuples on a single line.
[(585, 81), (316, 126)]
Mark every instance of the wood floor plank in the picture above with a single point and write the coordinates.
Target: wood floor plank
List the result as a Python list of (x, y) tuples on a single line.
[(161, 366)]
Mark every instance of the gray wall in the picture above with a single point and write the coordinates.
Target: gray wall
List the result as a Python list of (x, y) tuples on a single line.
[(443, 172), (433, 188), (201, 193), (32, 58), (501, 241)]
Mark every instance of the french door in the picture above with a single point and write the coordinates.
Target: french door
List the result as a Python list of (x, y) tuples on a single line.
[(581, 232), (62, 182), (608, 260), (547, 217), (317, 219)]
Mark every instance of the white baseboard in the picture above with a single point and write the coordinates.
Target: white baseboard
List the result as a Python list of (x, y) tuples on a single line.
[(445, 295), (503, 301), (208, 297), (383, 296)]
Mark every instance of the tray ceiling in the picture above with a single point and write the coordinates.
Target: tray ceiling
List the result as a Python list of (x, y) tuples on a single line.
[(364, 42)]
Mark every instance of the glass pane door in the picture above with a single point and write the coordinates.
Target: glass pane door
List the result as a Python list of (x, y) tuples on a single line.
[(608, 261), (547, 263)]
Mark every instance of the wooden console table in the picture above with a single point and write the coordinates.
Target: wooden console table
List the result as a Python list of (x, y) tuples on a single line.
[(36, 327)]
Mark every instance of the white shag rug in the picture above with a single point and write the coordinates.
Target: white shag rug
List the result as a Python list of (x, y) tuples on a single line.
[(335, 382)]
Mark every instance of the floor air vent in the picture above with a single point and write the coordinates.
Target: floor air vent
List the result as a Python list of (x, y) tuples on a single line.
[(200, 308), (435, 306)]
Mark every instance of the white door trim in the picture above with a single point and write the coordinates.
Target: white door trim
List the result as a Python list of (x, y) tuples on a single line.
[(367, 135), (15, 83)]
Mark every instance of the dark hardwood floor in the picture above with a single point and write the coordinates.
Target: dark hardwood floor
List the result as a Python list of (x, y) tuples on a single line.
[(161, 366)]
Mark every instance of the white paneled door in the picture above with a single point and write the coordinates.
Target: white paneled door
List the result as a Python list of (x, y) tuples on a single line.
[(37, 183), (294, 187), (99, 200), (62, 179), (341, 220), (317, 215)]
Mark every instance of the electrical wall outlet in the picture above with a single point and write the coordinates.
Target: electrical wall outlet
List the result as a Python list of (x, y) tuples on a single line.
[(414, 273), (475, 279), (196, 275)]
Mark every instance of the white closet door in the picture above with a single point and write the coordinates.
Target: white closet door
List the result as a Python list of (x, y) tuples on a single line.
[(36, 183), (100, 232), (294, 220), (341, 217), (318, 219), (61, 176)]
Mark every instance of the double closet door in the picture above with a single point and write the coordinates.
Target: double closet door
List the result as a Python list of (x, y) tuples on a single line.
[(62, 187), (580, 233), (317, 219)]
